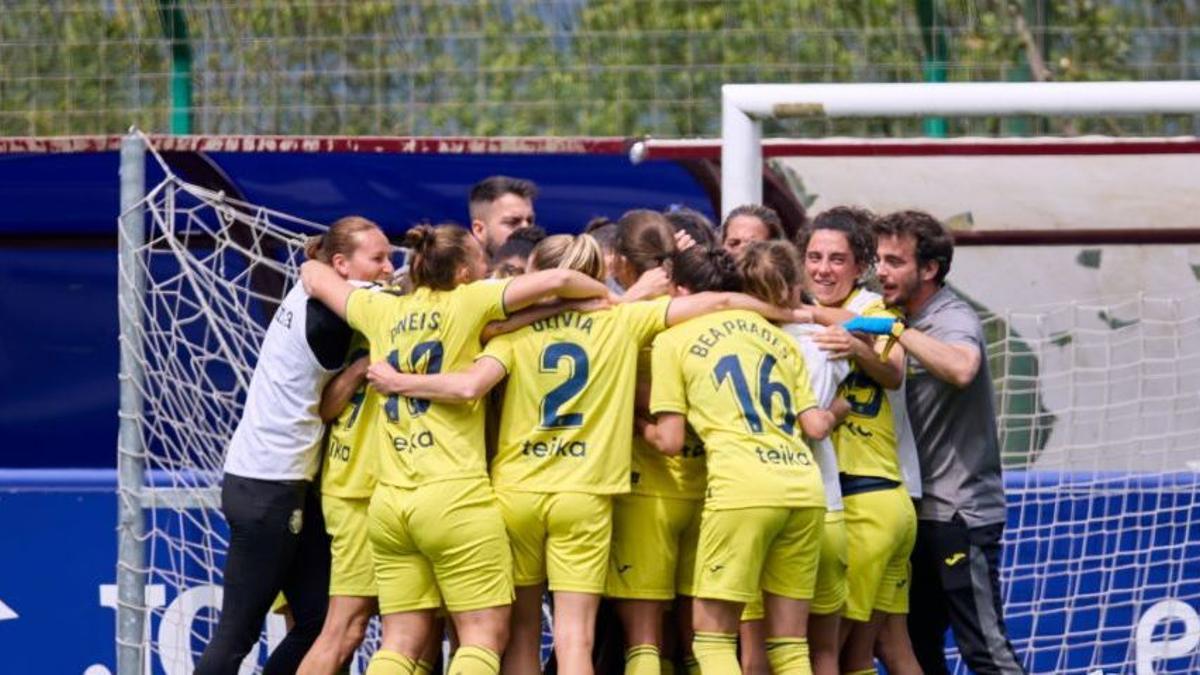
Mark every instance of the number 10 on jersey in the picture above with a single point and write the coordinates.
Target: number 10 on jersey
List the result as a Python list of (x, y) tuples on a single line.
[(432, 352)]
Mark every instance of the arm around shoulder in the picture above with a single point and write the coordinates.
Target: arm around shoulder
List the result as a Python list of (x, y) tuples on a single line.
[(323, 283), (691, 306), (468, 385), (527, 289), (956, 363)]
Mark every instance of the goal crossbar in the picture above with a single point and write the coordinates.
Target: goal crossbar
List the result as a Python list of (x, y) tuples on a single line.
[(744, 106)]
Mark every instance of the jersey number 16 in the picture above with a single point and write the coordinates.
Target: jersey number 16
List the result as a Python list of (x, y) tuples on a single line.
[(729, 368)]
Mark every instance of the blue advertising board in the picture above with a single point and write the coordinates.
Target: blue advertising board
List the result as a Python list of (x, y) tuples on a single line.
[(58, 265), (1098, 580)]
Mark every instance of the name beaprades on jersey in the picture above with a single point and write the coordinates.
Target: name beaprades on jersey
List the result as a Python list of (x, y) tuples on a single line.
[(565, 320), (555, 447), (417, 321), (713, 336)]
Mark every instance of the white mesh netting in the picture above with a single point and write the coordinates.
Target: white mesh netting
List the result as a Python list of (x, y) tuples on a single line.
[(1099, 404), (214, 271)]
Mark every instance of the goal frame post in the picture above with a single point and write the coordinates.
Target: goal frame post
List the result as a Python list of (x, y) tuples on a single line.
[(131, 466), (745, 106)]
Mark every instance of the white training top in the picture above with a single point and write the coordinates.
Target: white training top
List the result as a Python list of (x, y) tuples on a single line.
[(824, 374), (906, 443), (280, 432)]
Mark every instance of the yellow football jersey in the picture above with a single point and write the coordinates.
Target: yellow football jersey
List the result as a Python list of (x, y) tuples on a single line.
[(351, 446), (741, 383), (567, 422), (866, 440), (680, 476), (428, 332)]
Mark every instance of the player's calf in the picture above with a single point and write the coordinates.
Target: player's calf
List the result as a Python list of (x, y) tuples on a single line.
[(344, 629)]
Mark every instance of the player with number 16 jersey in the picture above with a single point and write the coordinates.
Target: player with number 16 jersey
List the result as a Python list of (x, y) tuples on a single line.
[(741, 383)]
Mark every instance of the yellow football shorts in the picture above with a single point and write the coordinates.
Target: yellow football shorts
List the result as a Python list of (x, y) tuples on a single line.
[(881, 527), (441, 542), (830, 594), (653, 547), (352, 571), (738, 548), (562, 536)]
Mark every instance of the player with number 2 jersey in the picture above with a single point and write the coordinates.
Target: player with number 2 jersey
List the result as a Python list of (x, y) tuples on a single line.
[(436, 531)]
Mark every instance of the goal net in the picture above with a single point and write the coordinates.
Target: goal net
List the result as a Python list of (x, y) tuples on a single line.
[(1099, 413), (1097, 397), (209, 273)]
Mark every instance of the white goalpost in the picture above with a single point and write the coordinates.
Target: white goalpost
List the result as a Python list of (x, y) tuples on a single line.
[(1098, 398), (744, 106)]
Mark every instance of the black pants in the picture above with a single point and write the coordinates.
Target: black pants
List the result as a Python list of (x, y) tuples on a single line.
[(277, 542), (956, 584)]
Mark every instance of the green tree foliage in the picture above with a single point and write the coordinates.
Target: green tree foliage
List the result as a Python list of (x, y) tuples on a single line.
[(78, 68), (603, 67)]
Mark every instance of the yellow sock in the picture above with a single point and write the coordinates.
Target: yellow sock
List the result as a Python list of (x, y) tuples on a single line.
[(666, 666), (788, 656), (642, 660), (691, 666), (472, 660), (387, 662), (423, 668), (716, 653), (868, 671)]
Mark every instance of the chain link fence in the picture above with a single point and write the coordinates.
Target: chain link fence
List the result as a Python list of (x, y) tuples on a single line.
[(551, 67)]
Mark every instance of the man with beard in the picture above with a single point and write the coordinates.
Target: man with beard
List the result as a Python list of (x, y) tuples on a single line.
[(498, 205), (956, 560)]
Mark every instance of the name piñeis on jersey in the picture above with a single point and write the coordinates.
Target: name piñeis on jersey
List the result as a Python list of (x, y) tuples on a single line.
[(417, 321)]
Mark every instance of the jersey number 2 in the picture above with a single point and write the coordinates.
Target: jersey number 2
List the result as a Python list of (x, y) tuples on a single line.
[(557, 397)]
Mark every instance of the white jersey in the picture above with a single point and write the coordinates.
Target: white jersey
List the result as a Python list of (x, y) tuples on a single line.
[(906, 443), (279, 435), (824, 374)]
